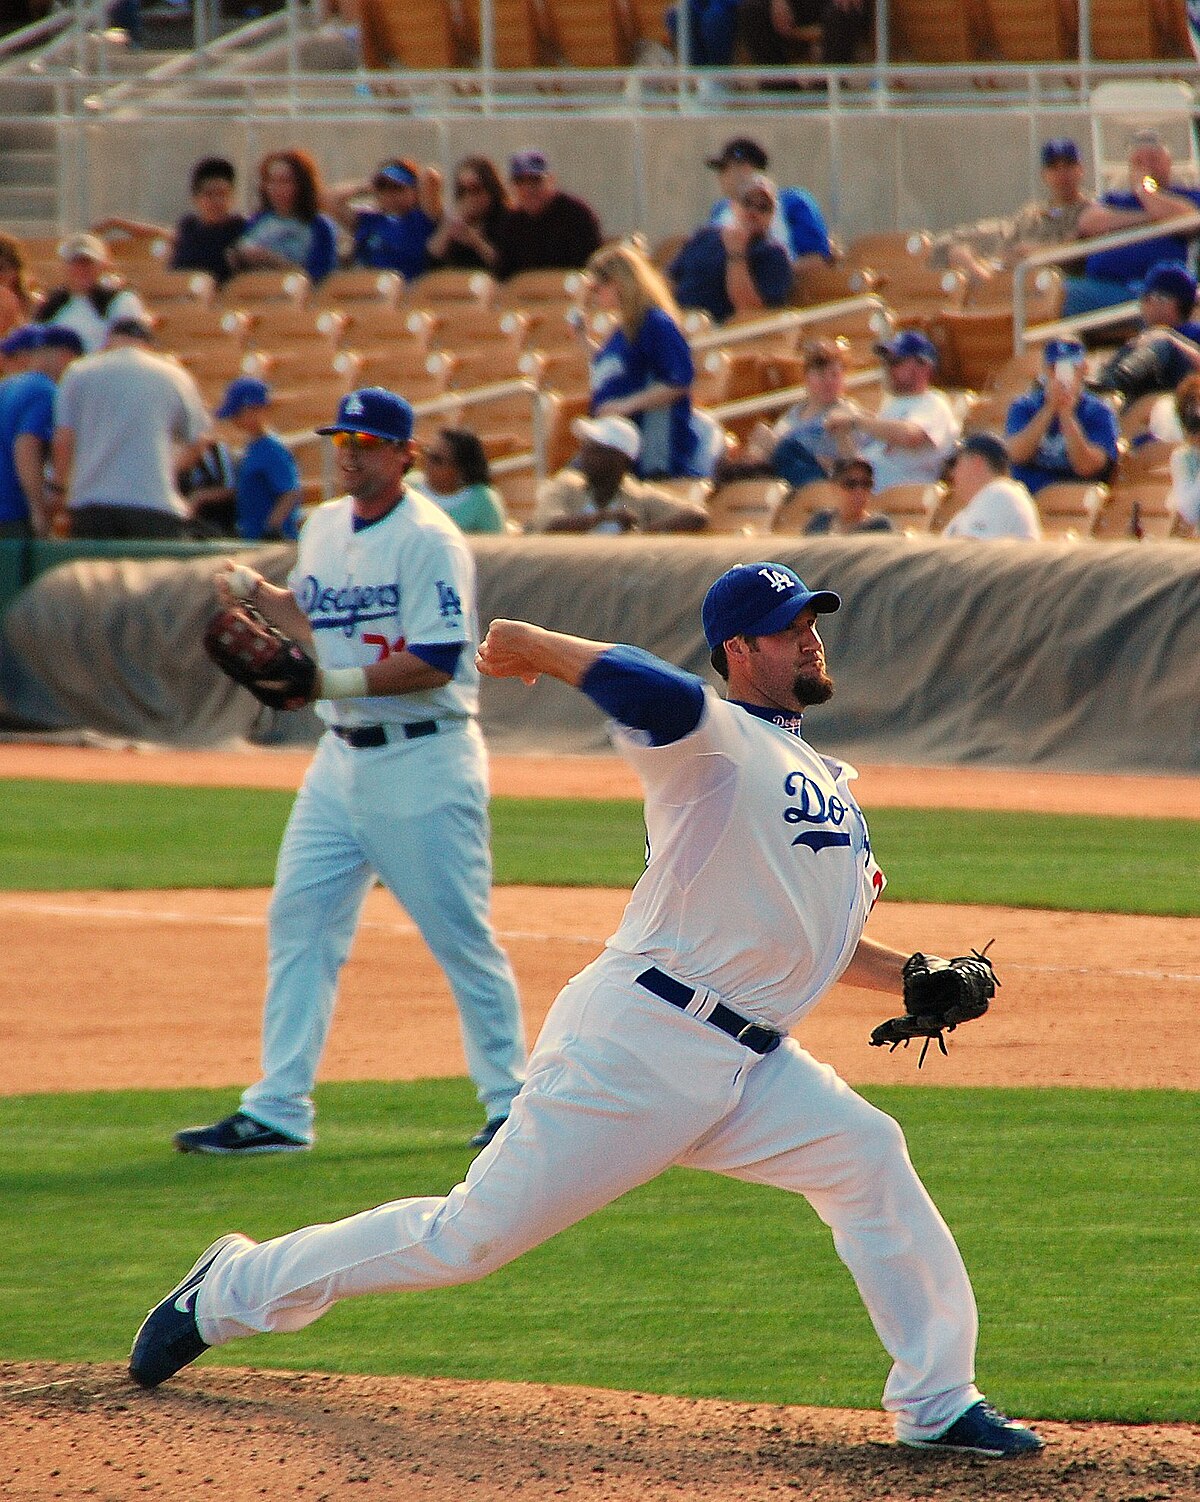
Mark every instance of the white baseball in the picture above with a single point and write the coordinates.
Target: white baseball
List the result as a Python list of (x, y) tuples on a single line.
[(241, 581)]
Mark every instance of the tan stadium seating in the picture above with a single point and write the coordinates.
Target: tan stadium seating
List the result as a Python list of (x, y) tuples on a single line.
[(1070, 508), (937, 31), (794, 513), (911, 508), (590, 33), (252, 287), (363, 286), (1141, 507), (1034, 31), (452, 284), (1138, 30), (158, 285), (746, 506)]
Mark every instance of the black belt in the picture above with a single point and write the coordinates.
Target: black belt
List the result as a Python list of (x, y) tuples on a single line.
[(751, 1035), (363, 737)]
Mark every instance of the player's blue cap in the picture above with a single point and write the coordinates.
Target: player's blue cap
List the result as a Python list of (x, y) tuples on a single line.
[(375, 411), (758, 599), (246, 391), (22, 340), (1172, 279), (909, 344)]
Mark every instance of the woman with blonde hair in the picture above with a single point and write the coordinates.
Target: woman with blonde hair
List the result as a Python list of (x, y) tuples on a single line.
[(643, 370)]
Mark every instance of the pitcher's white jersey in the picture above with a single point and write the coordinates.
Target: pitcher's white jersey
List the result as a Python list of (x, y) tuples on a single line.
[(751, 833), (409, 577)]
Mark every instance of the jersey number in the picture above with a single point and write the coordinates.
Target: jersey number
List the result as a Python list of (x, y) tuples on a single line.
[(373, 639)]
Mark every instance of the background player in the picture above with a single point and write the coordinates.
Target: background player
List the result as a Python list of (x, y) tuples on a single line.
[(383, 593), (671, 1047)]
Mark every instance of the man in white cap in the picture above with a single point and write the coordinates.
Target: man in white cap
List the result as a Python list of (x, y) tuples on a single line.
[(93, 297), (597, 492)]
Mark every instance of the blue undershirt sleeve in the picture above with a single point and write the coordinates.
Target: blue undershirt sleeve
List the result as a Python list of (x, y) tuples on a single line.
[(643, 692), (442, 655)]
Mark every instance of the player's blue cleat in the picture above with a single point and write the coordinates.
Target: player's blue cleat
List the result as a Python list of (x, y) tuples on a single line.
[(983, 1431), (487, 1131), (238, 1133), (169, 1338)]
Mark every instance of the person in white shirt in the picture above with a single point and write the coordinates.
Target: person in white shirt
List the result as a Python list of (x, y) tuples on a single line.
[(990, 504), (910, 438), (93, 297), (1185, 458)]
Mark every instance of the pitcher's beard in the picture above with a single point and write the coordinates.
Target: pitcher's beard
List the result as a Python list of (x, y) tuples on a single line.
[(813, 688)]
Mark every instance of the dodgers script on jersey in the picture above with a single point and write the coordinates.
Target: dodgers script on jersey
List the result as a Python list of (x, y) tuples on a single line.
[(406, 578), (750, 831)]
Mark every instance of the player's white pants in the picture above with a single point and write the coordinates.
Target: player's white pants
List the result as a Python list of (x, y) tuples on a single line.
[(621, 1086), (416, 814)]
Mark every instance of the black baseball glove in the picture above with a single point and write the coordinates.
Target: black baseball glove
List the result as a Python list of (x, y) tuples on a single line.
[(938, 995), (276, 670)]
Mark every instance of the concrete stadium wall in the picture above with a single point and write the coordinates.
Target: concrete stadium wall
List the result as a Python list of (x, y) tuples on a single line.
[(891, 170)]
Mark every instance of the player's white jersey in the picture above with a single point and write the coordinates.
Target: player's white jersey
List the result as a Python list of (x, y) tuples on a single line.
[(409, 577), (760, 876)]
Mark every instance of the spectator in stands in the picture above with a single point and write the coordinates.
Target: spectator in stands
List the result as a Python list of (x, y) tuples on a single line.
[(210, 489), (1185, 457), (913, 433), (455, 473), (1058, 431), (467, 238), (203, 238), (544, 227), (266, 479), (855, 480), (126, 421), (739, 268), (991, 245), (289, 229), (797, 223), (799, 448), (36, 356), (711, 31), (773, 31), (1167, 348), (17, 300), (1115, 276), (394, 235), (644, 369), (991, 505), (93, 298), (598, 493)]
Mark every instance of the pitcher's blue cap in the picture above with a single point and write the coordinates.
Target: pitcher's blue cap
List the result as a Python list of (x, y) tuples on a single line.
[(246, 391), (758, 599), (375, 411)]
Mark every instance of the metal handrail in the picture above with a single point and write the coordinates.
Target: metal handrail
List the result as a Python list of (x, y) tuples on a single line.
[(1072, 251), (782, 321)]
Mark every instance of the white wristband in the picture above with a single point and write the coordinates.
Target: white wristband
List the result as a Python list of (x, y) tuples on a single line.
[(342, 683)]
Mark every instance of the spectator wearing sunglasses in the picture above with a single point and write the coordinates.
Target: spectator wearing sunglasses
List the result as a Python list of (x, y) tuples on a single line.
[(737, 267), (455, 473), (544, 227), (466, 237), (855, 480), (394, 234)]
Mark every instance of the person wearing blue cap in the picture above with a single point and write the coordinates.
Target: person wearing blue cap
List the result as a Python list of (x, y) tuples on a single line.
[(1152, 198), (35, 357), (266, 477), (543, 227), (1167, 348), (382, 594), (989, 246), (911, 436), (1060, 431), (991, 504), (673, 1046), (394, 234)]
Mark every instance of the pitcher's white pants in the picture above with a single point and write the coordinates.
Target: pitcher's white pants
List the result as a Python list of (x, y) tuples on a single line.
[(621, 1086)]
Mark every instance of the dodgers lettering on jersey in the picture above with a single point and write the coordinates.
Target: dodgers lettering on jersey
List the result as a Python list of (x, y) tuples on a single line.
[(409, 577), (760, 875)]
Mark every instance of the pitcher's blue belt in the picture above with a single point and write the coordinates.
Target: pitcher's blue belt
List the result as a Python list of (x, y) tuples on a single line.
[(363, 737), (751, 1035)]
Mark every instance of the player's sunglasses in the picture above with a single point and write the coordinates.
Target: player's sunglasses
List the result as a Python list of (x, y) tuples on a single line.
[(366, 443)]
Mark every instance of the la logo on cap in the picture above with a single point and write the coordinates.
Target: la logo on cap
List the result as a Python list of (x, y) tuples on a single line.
[(354, 406), (776, 579)]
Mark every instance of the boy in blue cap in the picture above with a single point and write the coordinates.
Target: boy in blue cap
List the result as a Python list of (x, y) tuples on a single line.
[(35, 357), (267, 481)]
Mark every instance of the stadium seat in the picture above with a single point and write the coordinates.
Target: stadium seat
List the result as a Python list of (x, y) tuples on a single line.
[(1140, 509), (1070, 508), (415, 34), (973, 344), (824, 281), (590, 33), (1138, 30), (157, 285), (746, 506), (250, 287), (938, 31), (1034, 31), (986, 414), (911, 508), (877, 252), (1150, 460), (361, 285), (793, 514), (519, 490), (452, 284)]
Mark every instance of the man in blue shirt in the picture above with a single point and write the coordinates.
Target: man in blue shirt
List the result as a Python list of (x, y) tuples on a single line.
[(1115, 276), (1166, 350), (1059, 431), (797, 223), (36, 356), (739, 268), (393, 235), (267, 480)]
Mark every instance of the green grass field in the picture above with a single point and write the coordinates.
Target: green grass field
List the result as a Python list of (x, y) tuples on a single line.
[(59, 836), (1074, 1210)]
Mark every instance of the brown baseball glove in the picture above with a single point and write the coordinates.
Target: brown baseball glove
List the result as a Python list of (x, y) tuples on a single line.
[(276, 670)]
